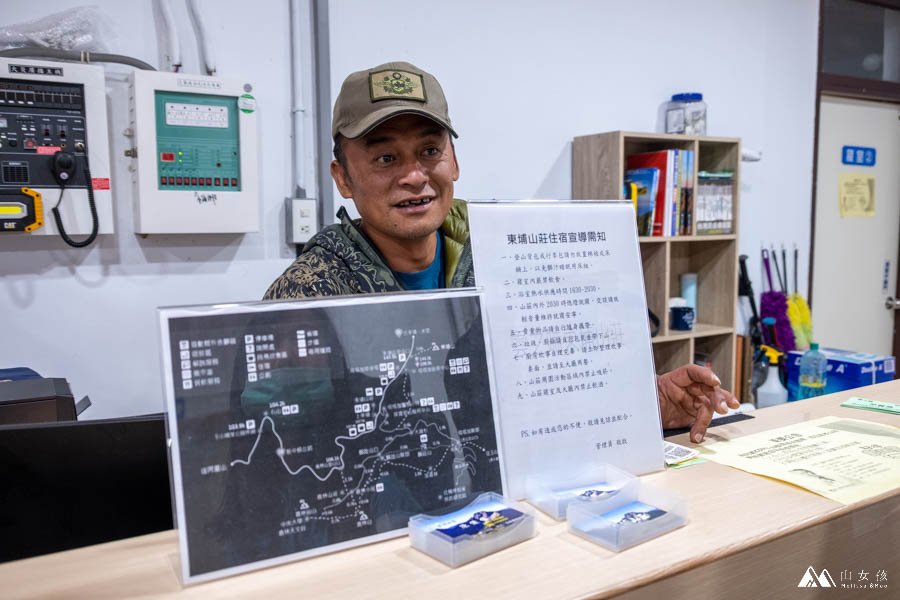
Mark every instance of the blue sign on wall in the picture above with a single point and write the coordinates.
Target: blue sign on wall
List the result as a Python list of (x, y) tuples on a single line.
[(858, 155)]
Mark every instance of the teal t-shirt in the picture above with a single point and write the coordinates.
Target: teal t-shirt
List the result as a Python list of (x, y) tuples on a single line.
[(430, 278)]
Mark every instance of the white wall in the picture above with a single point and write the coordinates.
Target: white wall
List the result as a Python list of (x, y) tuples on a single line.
[(522, 78), (90, 315)]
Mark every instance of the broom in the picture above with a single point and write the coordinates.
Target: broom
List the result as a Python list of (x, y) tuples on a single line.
[(774, 304), (799, 314)]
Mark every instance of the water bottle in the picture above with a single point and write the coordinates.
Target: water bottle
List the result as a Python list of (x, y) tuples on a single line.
[(813, 372)]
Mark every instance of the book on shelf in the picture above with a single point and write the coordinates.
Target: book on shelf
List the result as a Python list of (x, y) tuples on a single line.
[(686, 221), (647, 182), (715, 203), (682, 202), (672, 209), (672, 214), (656, 160)]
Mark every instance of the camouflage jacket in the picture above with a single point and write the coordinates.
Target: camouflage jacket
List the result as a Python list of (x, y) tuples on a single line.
[(340, 260)]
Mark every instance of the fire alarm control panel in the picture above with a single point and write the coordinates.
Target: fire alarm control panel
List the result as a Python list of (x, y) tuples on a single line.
[(195, 147), (54, 150)]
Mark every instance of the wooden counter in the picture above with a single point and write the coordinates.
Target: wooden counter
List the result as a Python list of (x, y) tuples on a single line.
[(747, 536)]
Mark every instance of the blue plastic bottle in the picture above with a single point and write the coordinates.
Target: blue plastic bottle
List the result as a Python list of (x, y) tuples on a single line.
[(813, 372)]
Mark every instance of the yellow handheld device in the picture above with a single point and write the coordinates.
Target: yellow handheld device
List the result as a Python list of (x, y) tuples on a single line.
[(21, 211)]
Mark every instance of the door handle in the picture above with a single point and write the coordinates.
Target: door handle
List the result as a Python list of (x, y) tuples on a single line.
[(892, 303)]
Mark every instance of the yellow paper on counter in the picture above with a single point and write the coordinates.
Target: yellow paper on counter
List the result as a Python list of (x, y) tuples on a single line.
[(846, 460)]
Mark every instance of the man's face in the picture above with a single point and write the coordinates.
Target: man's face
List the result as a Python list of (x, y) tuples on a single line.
[(400, 176)]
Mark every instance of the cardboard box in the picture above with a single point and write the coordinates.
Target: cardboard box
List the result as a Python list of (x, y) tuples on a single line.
[(846, 370)]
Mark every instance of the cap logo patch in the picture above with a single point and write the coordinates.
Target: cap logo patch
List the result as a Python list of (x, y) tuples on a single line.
[(396, 84)]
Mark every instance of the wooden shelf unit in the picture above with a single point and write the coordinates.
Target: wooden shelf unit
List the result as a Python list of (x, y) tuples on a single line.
[(598, 170)]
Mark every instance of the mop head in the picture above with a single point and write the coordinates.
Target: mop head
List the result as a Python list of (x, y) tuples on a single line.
[(801, 320), (774, 304)]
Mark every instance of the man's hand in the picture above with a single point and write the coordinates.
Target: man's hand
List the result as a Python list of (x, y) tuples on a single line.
[(688, 396)]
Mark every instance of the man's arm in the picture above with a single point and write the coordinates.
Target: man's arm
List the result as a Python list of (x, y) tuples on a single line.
[(690, 395)]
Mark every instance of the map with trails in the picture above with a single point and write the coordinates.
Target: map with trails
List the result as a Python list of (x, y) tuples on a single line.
[(312, 426)]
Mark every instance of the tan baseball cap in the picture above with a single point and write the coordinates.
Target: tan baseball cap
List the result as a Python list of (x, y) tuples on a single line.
[(371, 97)]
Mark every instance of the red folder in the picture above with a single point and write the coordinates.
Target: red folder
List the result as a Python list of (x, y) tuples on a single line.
[(658, 160)]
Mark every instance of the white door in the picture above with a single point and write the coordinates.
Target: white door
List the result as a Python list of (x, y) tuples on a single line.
[(856, 245)]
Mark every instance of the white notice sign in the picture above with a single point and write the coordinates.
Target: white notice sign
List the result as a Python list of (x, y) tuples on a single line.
[(570, 336)]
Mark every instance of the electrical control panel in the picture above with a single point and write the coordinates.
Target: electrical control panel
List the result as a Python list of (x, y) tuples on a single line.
[(195, 147), (45, 108)]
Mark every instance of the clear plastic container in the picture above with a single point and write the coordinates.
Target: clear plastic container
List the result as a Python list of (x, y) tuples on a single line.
[(553, 494), (813, 372), (686, 113), (488, 524), (634, 515)]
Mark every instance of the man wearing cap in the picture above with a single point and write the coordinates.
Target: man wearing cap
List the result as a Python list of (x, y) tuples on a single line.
[(394, 157)]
